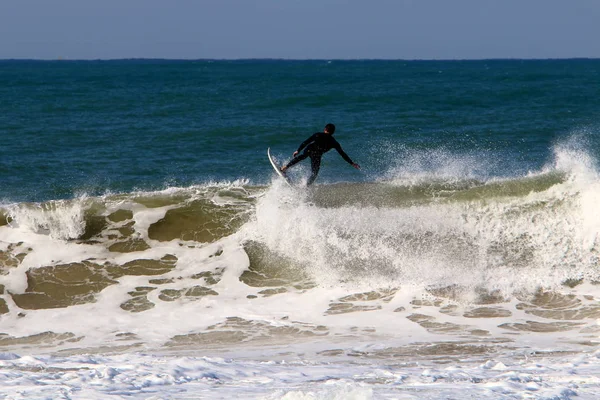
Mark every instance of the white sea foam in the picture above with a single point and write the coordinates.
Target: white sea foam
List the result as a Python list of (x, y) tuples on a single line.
[(404, 166), (508, 244), (137, 376), (345, 250), (474, 243), (61, 219)]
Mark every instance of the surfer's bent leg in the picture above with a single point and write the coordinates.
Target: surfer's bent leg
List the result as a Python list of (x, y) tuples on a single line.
[(295, 160), (315, 165)]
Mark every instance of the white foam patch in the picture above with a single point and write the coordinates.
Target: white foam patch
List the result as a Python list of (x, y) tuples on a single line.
[(347, 250), (509, 244), (97, 323), (408, 167), (572, 156), (100, 321), (137, 376), (60, 219)]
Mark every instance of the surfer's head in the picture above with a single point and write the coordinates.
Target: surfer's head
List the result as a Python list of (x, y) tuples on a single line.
[(330, 128)]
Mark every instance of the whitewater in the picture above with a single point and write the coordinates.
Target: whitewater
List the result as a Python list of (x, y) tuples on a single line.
[(431, 282)]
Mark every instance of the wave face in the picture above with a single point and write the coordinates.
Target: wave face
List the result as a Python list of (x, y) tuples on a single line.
[(234, 264), (504, 235)]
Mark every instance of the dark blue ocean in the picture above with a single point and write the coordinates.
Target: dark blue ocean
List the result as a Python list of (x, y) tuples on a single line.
[(90, 127)]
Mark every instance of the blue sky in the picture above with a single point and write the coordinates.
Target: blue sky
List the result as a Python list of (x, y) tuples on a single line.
[(299, 29)]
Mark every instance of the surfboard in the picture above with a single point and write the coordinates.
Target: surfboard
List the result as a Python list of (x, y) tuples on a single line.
[(276, 167)]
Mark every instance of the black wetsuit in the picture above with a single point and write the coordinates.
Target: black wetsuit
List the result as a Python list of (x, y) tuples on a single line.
[(317, 145)]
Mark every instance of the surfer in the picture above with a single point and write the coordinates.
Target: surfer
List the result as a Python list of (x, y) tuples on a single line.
[(317, 145)]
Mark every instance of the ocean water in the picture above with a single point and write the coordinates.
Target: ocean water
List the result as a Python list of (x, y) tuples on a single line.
[(148, 250)]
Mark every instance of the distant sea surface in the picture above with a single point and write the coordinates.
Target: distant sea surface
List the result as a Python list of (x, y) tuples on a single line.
[(72, 127), (148, 249)]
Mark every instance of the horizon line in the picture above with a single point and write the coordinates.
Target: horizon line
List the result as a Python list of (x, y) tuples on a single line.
[(297, 59)]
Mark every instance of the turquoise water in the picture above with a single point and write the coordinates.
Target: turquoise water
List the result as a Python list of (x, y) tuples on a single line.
[(73, 127)]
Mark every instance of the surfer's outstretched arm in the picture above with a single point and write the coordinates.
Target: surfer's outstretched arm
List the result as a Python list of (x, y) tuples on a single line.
[(345, 156)]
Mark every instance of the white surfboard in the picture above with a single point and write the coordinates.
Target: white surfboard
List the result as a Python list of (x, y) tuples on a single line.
[(276, 167)]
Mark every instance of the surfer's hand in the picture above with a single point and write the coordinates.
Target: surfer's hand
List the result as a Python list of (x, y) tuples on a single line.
[(295, 154), (355, 165)]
